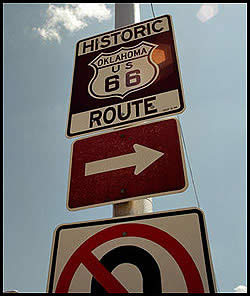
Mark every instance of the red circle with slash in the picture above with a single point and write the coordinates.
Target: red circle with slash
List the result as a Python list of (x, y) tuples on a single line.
[(83, 255)]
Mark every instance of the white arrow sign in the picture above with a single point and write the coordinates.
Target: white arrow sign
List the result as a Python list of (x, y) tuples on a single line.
[(142, 158)]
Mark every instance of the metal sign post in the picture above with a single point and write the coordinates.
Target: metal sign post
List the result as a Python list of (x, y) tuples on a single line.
[(127, 167), (126, 14), (125, 78)]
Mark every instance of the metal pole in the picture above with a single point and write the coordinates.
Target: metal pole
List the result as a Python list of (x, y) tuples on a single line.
[(126, 14)]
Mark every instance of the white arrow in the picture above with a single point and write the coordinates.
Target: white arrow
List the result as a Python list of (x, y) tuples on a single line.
[(142, 158)]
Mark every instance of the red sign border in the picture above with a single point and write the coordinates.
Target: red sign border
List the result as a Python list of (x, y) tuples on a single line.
[(203, 232)]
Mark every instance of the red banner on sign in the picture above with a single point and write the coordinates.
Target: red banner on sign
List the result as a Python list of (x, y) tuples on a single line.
[(129, 164)]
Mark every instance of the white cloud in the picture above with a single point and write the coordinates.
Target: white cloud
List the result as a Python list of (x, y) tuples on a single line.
[(240, 289), (70, 17), (207, 11)]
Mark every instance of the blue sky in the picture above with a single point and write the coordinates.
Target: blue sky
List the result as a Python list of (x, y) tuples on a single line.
[(39, 44)]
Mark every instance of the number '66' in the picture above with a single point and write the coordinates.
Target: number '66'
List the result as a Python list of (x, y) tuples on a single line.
[(132, 78)]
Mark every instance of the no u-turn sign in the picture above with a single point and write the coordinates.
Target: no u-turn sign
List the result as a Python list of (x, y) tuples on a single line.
[(160, 252)]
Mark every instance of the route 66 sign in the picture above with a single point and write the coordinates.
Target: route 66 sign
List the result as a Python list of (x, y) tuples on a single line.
[(125, 77), (118, 73)]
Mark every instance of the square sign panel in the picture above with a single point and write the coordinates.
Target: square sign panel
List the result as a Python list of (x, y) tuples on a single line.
[(125, 76), (137, 162), (165, 252)]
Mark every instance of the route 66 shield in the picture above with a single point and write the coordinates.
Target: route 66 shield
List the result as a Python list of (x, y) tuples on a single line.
[(121, 72)]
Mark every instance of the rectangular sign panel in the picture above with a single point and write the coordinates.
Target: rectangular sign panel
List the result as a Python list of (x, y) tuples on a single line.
[(164, 252), (137, 162), (124, 77)]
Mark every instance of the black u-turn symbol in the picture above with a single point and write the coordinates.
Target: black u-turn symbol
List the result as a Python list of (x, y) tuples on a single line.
[(145, 262)]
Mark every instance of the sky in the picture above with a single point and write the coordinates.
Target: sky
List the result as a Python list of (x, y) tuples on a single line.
[(38, 60)]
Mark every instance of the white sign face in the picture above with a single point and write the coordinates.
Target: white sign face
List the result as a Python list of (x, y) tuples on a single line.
[(117, 73), (165, 252)]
